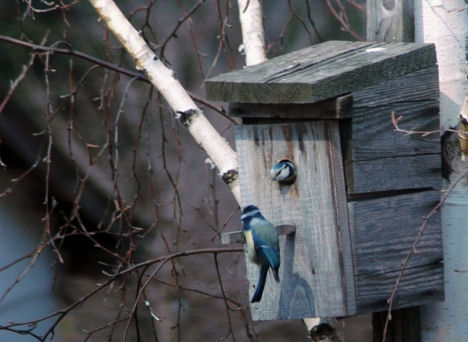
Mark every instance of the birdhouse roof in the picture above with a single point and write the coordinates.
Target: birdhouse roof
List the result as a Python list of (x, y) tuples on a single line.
[(320, 72)]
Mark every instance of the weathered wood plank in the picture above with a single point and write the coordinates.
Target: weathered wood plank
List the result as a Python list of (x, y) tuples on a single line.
[(394, 173), (317, 258), (383, 232), (415, 97), (377, 158), (374, 135), (419, 85), (420, 285), (393, 222), (390, 20), (233, 238), (239, 237), (320, 72), (336, 108)]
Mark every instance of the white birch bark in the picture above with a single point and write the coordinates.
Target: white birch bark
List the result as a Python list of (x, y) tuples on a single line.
[(445, 23), (206, 136), (253, 36)]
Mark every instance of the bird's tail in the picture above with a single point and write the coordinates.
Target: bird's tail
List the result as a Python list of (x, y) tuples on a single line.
[(260, 285)]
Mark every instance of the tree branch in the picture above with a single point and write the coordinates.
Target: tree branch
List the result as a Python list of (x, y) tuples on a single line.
[(250, 16), (209, 140)]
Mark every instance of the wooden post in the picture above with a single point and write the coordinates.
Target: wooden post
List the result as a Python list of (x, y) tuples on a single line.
[(405, 325), (393, 20), (390, 21)]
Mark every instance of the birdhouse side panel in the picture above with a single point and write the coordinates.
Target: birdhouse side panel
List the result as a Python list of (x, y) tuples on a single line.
[(384, 231), (316, 266), (377, 157)]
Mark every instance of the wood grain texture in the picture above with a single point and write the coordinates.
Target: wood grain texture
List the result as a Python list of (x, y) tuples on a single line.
[(233, 238), (383, 232), (316, 260), (415, 97), (390, 20), (239, 237), (320, 72), (394, 173), (377, 158), (335, 108), (420, 286)]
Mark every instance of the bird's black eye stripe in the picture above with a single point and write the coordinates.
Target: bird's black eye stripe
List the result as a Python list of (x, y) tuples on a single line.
[(249, 211)]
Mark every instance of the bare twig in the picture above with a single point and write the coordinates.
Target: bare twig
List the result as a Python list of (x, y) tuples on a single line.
[(230, 330), (396, 121), (413, 248), (160, 261), (17, 81), (100, 62), (446, 193), (340, 15), (179, 23)]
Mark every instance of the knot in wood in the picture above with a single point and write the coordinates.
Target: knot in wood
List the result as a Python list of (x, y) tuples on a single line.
[(389, 4), (230, 176), (186, 116)]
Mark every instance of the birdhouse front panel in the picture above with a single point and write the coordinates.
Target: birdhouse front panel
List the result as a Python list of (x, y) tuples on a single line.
[(314, 263), (366, 178)]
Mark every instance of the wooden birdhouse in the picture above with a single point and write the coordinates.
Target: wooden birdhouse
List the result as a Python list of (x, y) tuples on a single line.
[(362, 189)]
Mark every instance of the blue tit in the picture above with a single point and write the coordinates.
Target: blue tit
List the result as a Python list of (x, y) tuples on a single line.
[(283, 171), (262, 243)]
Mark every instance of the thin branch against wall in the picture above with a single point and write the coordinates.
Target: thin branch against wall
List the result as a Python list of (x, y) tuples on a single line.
[(413, 249), (396, 124), (425, 220)]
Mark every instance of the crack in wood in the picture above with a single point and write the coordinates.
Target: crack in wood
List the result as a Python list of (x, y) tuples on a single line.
[(383, 272), (387, 193)]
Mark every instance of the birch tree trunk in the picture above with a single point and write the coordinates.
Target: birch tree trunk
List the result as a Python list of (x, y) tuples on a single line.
[(209, 140), (253, 36), (445, 23)]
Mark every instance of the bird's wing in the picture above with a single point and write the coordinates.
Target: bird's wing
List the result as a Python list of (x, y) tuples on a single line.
[(269, 256), (266, 242)]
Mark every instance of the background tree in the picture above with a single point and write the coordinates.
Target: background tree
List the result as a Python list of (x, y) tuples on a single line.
[(122, 191)]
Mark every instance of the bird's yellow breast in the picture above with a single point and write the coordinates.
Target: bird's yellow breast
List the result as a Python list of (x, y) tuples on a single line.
[(250, 246)]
